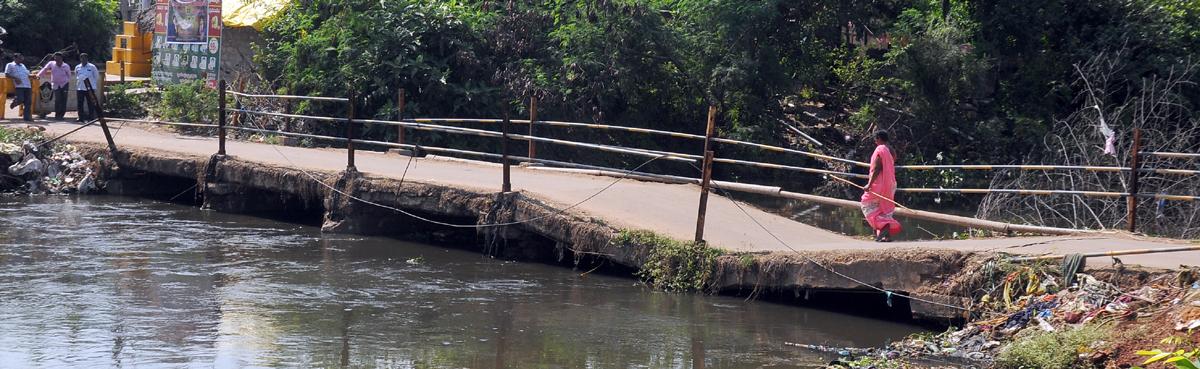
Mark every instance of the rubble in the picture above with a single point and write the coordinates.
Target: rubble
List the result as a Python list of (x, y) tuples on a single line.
[(37, 170), (1030, 303)]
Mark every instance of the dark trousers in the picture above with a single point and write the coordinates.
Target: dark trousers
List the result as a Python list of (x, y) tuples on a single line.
[(25, 97), (81, 105), (60, 102)]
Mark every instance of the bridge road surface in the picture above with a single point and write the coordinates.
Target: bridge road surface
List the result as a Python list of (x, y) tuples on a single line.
[(668, 209)]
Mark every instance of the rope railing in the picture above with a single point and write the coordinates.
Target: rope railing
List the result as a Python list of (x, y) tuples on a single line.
[(985, 191), (647, 131), (1170, 154), (1049, 167), (288, 97), (432, 124), (1021, 167)]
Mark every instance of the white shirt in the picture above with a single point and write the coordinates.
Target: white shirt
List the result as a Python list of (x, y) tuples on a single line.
[(86, 72), (19, 72)]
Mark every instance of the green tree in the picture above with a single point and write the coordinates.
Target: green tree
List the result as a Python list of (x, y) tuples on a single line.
[(38, 28)]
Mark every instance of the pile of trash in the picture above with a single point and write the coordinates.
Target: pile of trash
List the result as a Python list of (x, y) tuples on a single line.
[(1033, 301), (1027, 301), (35, 170)]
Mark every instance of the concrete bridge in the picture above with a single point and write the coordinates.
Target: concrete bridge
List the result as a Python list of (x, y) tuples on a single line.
[(786, 255)]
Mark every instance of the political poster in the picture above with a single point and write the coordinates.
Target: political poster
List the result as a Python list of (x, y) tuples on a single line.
[(187, 41), (187, 21)]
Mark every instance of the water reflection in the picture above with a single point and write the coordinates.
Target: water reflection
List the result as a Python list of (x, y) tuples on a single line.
[(114, 282)]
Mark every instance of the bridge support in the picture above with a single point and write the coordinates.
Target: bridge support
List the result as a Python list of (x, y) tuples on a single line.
[(706, 173)]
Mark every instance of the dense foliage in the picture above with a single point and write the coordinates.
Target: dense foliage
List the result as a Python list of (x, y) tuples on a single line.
[(38, 28), (958, 81)]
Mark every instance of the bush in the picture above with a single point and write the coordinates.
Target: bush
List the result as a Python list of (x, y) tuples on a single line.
[(673, 265), (1052, 350), (189, 102), (119, 103)]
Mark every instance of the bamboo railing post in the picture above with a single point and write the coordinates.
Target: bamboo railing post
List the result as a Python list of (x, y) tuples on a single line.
[(507, 184), (1132, 200), (400, 116), (221, 117), (94, 101), (532, 121), (350, 134), (706, 173)]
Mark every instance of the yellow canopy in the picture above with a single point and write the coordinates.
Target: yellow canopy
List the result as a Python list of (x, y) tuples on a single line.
[(248, 13)]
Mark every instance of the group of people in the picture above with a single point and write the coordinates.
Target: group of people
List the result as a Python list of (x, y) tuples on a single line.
[(60, 74)]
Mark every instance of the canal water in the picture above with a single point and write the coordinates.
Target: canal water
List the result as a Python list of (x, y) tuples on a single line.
[(121, 282)]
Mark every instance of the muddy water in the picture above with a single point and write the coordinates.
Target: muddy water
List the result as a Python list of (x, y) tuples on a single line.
[(118, 282)]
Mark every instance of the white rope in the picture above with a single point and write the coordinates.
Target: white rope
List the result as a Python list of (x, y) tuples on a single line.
[(290, 97)]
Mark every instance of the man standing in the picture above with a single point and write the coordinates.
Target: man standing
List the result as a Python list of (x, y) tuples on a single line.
[(60, 79), (19, 75), (85, 73), (880, 191)]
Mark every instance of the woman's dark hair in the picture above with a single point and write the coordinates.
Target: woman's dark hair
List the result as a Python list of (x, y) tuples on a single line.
[(881, 135)]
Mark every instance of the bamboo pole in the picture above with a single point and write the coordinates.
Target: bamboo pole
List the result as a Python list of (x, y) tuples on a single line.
[(864, 188), (350, 134), (400, 116), (94, 101), (221, 118), (943, 218), (1132, 200), (1110, 253), (506, 186), (1170, 154), (706, 173), (533, 113)]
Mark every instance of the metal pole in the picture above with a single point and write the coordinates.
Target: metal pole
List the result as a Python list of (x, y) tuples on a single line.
[(1132, 200), (95, 103), (121, 60), (532, 122), (400, 116), (221, 118), (507, 185), (706, 173), (350, 134)]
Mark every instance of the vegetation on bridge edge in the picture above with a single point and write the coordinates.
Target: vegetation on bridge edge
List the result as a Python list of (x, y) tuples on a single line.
[(671, 264)]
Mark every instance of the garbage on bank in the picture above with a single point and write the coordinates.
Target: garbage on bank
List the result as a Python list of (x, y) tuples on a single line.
[(1028, 303), (39, 170)]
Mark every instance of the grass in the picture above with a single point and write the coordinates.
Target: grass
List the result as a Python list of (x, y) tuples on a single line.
[(1052, 350), (673, 265), (16, 135)]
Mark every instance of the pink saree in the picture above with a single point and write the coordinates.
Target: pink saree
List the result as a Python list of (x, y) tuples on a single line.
[(878, 211)]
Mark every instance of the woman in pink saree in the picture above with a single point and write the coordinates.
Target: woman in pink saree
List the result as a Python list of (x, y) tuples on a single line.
[(881, 182)]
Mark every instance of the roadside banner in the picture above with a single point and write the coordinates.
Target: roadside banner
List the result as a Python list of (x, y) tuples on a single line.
[(187, 41)]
